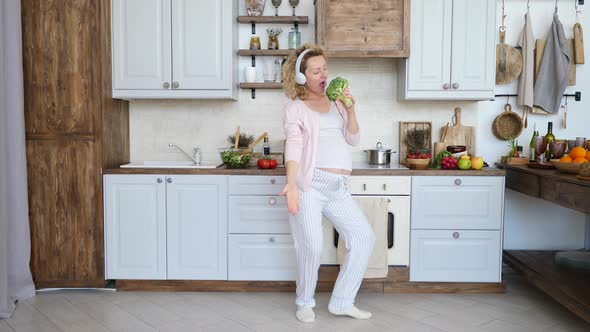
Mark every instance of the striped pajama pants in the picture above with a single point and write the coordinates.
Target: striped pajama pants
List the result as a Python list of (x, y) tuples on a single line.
[(328, 195)]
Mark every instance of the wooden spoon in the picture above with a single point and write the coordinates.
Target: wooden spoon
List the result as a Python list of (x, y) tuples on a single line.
[(251, 146), (237, 139)]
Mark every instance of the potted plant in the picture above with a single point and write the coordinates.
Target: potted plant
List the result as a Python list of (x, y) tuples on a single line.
[(273, 38)]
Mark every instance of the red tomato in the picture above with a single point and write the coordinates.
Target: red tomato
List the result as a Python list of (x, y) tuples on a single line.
[(273, 163), (263, 163)]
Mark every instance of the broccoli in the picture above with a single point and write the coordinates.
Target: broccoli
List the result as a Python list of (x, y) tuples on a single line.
[(334, 90)]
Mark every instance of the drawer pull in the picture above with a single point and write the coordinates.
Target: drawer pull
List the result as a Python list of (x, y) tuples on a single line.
[(458, 182), (364, 186), (271, 240), (159, 180), (272, 201), (273, 181), (385, 186), (456, 235), (169, 180)]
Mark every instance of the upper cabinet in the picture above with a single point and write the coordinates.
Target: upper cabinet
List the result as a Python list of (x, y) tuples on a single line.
[(174, 49), (453, 51), (364, 29)]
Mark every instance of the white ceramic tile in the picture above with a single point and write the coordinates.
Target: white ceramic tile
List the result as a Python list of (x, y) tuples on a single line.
[(149, 312), (113, 317), (4, 327)]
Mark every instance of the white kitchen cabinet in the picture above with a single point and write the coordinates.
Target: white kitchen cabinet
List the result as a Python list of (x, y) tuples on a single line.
[(258, 214), (196, 214), (452, 51), (165, 227), (174, 49), (456, 228), (135, 226)]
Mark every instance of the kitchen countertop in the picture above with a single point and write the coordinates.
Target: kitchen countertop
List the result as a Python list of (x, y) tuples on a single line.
[(358, 169)]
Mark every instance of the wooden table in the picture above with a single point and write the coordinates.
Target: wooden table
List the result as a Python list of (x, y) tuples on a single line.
[(568, 287)]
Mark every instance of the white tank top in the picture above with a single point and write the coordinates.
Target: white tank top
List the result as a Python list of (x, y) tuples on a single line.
[(333, 150)]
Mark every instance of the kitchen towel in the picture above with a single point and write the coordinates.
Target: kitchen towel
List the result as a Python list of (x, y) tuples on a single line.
[(526, 83), (376, 211), (554, 72)]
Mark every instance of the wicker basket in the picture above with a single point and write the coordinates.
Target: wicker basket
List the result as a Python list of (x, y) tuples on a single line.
[(507, 125)]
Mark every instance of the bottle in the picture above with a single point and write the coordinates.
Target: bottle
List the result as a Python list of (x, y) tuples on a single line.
[(197, 156), (266, 147), (550, 138), (518, 153), (532, 156)]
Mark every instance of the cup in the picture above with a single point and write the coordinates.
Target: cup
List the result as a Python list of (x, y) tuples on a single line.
[(580, 141), (250, 74), (270, 71), (438, 148)]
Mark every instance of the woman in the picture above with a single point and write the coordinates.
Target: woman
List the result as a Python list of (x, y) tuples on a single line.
[(318, 163)]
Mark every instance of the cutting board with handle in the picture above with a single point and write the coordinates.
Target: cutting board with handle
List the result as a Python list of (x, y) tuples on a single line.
[(458, 134)]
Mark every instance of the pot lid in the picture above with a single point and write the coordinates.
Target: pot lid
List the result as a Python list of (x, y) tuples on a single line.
[(379, 147)]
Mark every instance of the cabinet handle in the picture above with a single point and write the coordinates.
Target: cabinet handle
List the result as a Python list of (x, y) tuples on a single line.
[(169, 180), (271, 240), (159, 180), (456, 235), (364, 186), (446, 86), (455, 85), (175, 85), (458, 182), (166, 85), (272, 201), (388, 200), (273, 181), (385, 186)]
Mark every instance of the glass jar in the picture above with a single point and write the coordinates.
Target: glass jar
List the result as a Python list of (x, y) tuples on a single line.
[(273, 42), (255, 43), (294, 39)]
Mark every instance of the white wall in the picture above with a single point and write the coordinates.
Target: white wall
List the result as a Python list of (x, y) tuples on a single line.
[(530, 223)]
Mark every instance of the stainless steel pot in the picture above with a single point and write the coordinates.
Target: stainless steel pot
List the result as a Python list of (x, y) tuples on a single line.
[(379, 156)]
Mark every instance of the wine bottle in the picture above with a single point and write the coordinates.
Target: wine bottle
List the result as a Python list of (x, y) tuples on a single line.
[(549, 138), (532, 156), (266, 147)]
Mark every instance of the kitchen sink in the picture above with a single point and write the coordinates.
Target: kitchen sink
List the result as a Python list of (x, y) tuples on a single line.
[(172, 164)]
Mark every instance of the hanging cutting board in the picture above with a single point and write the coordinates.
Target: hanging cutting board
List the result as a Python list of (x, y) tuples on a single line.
[(578, 44), (508, 61), (458, 134)]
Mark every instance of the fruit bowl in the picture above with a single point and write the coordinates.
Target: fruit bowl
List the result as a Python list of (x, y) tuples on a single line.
[(233, 158), (567, 167), (414, 163)]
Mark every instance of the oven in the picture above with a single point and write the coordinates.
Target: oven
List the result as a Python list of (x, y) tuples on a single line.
[(396, 190)]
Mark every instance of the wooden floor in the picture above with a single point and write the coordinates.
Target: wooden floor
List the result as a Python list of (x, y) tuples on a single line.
[(523, 308), (570, 288)]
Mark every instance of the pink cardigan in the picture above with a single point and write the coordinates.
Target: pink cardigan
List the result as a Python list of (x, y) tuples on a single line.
[(302, 132)]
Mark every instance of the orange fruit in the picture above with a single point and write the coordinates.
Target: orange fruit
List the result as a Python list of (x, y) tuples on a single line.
[(580, 160), (578, 152), (588, 155), (566, 159)]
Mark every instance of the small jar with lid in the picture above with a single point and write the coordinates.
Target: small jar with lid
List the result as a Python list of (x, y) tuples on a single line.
[(255, 43)]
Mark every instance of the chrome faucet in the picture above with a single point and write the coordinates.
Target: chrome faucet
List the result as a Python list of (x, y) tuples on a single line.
[(196, 158)]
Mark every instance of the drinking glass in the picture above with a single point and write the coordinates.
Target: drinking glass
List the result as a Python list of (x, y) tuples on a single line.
[(294, 4), (276, 3), (540, 147), (557, 149), (270, 71)]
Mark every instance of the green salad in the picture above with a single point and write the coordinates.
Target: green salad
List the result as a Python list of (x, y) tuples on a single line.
[(234, 159)]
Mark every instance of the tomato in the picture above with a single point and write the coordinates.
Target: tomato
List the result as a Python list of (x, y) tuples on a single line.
[(273, 163), (263, 163)]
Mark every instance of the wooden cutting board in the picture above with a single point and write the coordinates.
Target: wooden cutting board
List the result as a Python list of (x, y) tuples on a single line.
[(458, 134)]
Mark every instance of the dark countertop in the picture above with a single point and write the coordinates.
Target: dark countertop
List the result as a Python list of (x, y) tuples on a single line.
[(548, 173)]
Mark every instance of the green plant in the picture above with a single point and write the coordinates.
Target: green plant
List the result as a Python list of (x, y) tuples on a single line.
[(513, 144), (243, 142), (335, 88)]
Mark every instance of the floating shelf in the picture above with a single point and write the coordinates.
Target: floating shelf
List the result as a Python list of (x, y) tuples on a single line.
[(260, 85), (274, 19), (265, 52)]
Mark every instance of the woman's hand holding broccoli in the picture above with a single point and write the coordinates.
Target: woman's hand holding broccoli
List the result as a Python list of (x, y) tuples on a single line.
[(338, 90)]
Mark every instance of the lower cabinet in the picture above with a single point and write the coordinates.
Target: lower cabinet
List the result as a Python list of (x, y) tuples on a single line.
[(165, 227), (260, 243), (456, 228)]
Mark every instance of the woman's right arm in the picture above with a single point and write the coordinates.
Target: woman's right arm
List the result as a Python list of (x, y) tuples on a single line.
[(291, 189), (293, 150)]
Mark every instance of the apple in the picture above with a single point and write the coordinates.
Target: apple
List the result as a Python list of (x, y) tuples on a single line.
[(476, 163), (464, 164)]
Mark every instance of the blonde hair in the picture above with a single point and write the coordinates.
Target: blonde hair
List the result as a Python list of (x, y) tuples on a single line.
[(291, 88)]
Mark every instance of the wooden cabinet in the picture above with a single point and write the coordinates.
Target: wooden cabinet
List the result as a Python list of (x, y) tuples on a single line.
[(167, 49), (260, 244), (456, 228), (166, 227), (371, 29), (73, 130), (453, 51)]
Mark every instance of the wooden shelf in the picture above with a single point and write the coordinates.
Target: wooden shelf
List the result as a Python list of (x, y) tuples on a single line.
[(265, 52), (260, 85), (568, 287), (274, 19)]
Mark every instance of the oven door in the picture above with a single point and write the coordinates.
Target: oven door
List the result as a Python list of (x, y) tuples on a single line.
[(398, 232)]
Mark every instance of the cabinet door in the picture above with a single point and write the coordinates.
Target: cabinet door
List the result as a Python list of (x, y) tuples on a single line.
[(455, 256), (135, 226), (429, 64), (449, 202), (202, 44), (197, 227), (141, 44), (261, 257), (474, 52)]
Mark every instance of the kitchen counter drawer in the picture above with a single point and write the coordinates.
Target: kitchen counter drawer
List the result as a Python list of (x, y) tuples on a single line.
[(379, 185), (258, 214), (256, 185), (455, 202), (455, 256), (261, 257)]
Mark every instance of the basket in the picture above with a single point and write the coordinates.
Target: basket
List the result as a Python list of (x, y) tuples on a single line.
[(567, 167), (418, 163), (507, 125)]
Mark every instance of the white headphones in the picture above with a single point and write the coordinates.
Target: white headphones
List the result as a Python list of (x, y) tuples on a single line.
[(299, 76)]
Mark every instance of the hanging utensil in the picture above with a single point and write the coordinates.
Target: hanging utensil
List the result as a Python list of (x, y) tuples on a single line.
[(578, 38), (508, 59), (251, 146), (564, 106)]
